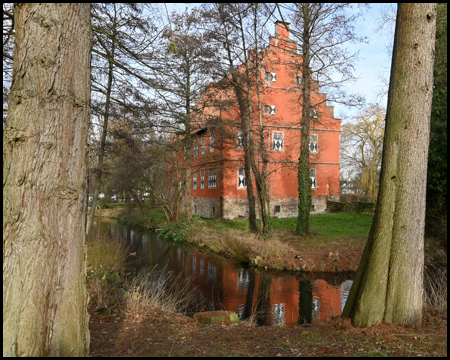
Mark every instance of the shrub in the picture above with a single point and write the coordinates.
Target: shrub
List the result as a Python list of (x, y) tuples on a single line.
[(177, 232), (104, 202), (152, 289)]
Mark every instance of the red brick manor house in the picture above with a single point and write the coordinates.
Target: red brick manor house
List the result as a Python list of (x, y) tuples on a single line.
[(218, 180)]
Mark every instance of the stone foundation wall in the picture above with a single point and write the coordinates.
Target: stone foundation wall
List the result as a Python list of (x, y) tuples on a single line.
[(282, 207), (207, 207), (237, 208)]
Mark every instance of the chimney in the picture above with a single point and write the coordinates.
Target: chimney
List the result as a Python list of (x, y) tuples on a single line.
[(281, 29)]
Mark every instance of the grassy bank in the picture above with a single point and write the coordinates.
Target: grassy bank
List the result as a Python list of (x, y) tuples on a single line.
[(335, 244)]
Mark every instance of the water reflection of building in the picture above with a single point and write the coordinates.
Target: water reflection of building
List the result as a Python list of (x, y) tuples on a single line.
[(276, 299), (220, 284)]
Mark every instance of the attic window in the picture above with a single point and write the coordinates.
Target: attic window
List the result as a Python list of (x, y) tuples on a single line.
[(269, 109), (315, 113), (271, 76)]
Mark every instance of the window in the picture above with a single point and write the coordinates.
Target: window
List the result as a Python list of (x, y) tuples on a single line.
[(271, 76), (212, 178), (313, 144), (277, 209), (195, 148), (269, 109), (277, 141), (313, 178), (202, 179), (211, 143), (242, 184), (203, 146), (298, 80), (239, 140), (315, 113), (194, 180)]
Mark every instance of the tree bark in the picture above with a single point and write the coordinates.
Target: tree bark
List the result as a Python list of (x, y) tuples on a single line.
[(44, 183), (389, 282), (304, 167)]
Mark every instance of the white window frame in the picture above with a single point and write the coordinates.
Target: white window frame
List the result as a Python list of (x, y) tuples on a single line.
[(314, 144), (314, 113), (276, 134), (194, 180), (270, 76), (212, 143), (313, 177), (202, 179), (239, 143), (299, 80), (212, 178), (242, 179), (195, 148), (269, 109)]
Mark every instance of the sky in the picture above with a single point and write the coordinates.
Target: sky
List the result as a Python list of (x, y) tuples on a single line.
[(374, 60)]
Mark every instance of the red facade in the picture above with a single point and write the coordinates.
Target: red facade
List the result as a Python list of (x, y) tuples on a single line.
[(218, 180)]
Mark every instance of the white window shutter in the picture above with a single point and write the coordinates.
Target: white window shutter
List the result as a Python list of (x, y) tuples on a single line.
[(272, 109), (274, 77)]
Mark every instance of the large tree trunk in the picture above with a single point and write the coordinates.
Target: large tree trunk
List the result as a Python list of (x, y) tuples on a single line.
[(304, 166), (44, 183), (389, 283), (261, 177)]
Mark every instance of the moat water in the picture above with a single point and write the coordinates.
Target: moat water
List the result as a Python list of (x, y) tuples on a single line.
[(288, 298)]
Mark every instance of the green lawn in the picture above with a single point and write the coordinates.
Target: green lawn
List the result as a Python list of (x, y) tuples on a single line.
[(331, 224)]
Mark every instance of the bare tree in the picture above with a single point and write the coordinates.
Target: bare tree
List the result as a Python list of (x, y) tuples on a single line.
[(322, 30), (389, 282), (44, 183), (184, 65), (122, 72), (361, 146), (240, 34)]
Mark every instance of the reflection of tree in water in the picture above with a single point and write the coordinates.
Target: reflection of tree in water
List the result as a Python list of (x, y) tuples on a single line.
[(263, 306), (248, 312), (305, 302)]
